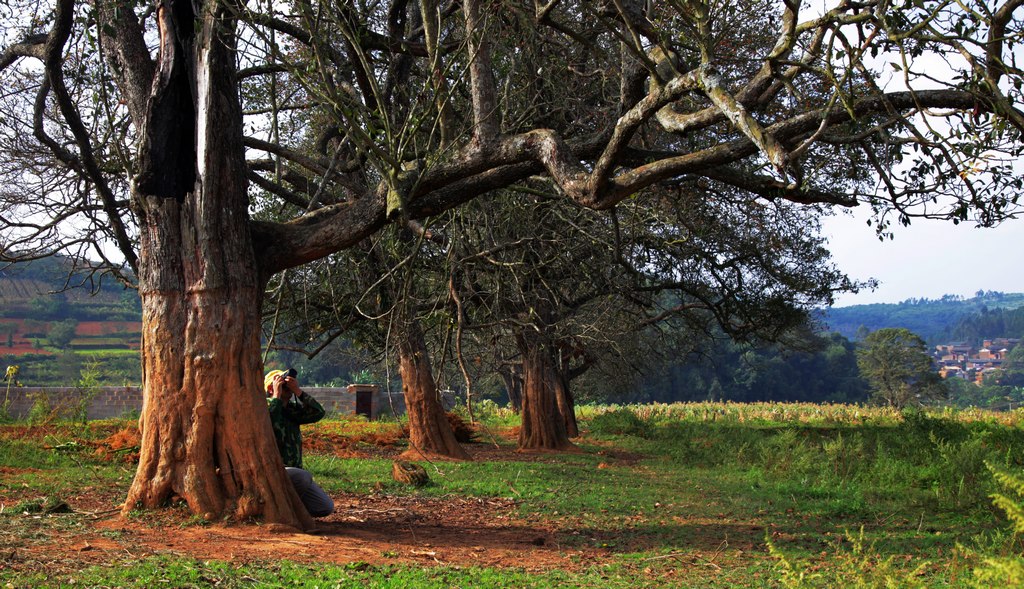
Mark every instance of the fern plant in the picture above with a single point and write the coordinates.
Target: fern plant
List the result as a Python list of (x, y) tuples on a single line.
[(1006, 569), (853, 563)]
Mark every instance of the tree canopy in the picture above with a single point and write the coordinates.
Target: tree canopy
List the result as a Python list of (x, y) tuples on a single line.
[(896, 364), (356, 111)]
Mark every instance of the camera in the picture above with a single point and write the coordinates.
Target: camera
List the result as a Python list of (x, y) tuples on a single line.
[(291, 373)]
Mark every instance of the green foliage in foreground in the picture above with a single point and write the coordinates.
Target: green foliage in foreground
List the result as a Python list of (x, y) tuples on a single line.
[(672, 495)]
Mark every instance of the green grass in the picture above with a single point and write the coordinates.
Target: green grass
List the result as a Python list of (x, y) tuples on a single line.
[(63, 472), (748, 496), (910, 486), (175, 572)]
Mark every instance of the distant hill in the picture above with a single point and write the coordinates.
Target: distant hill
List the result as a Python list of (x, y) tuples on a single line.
[(45, 290), (54, 324), (934, 320)]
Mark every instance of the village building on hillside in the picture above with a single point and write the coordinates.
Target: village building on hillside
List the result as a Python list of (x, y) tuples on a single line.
[(962, 360)]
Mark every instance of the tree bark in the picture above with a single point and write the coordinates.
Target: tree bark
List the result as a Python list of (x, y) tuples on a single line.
[(566, 405), (206, 434), (430, 434), (543, 425), (514, 387)]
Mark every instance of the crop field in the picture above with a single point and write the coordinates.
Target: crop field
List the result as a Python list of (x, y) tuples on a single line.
[(694, 495)]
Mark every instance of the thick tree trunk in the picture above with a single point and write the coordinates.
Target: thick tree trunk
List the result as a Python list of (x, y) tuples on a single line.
[(543, 426), (206, 435), (430, 434)]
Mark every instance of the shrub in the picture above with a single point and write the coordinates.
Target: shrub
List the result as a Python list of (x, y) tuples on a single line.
[(858, 565), (788, 453), (42, 410), (961, 477), (620, 422), (87, 389), (11, 378), (843, 454)]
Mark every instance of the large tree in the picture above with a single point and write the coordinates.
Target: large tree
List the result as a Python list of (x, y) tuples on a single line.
[(896, 364), (258, 137), (573, 288)]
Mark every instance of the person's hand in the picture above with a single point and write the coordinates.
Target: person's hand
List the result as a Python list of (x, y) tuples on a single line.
[(279, 389), (292, 384)]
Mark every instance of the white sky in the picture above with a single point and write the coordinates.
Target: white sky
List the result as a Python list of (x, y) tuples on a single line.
[(927, 259)]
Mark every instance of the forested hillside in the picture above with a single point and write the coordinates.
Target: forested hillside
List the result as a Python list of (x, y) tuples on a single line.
[(987, 324), (934, 320), (49, 290), (55, 323)]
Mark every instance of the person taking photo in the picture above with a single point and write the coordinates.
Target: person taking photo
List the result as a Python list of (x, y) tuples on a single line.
[(290, 407)]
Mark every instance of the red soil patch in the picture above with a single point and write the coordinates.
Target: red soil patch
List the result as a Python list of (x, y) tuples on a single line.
[(22, 345), (95, 328), (21, 348), (121, 446), (362, 445), (373, 529), (8, 470), (38, 432)]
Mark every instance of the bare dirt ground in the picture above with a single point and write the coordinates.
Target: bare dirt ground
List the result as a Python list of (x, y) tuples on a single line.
[(373, 529), (365, 529)]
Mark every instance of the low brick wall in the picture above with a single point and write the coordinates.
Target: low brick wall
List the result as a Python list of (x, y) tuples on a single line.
[(108, 402), (104, 403), (342, 401)]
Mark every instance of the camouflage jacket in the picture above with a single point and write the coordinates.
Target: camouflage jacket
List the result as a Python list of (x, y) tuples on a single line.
[(286, 419)]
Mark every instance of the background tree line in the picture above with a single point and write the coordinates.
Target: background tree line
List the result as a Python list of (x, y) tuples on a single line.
[(812, 368)]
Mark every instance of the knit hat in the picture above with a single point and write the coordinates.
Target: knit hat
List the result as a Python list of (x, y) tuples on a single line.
[(269, 378)]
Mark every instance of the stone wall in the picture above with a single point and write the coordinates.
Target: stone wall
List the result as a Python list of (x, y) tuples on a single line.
[(109, 402)]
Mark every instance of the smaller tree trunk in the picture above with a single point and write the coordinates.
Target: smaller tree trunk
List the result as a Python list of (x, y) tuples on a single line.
[(566, 404), (430, 434), (543, 425), (514, 387)]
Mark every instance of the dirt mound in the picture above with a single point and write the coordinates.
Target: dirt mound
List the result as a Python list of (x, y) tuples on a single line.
[(121, 446), (359, 444)]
